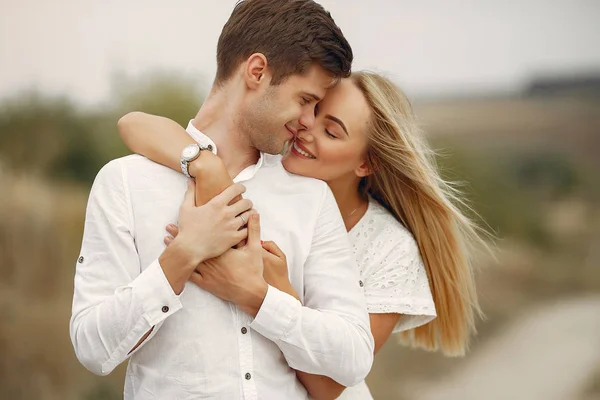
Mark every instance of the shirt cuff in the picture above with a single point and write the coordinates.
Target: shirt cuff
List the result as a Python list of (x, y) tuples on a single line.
[(154, 292), (276, 315)]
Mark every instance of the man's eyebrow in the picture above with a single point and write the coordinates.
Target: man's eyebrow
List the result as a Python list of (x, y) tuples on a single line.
[(314, 96), (338, 121)]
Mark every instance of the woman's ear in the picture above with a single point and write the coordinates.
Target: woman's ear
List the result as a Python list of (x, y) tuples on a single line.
[(364, 169), (256, 70)]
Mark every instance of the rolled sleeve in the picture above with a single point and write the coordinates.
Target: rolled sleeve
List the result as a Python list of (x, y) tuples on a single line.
[(154, 292), (115, 302)]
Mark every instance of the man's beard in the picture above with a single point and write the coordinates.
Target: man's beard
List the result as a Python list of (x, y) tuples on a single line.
[(260, 127)]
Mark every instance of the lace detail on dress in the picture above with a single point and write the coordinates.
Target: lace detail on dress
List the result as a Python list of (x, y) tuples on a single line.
[(391, 269)]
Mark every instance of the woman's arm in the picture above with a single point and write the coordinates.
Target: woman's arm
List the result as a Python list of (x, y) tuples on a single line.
[(325, 388), (157, 138), (161, 140)]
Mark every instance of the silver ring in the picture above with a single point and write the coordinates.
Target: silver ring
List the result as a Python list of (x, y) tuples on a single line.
[(243, 219)]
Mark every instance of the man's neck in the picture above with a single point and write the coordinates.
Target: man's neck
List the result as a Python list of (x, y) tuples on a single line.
[(216, 119)]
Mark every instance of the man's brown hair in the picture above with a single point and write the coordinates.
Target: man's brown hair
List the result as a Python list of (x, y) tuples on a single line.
[(292, 34)]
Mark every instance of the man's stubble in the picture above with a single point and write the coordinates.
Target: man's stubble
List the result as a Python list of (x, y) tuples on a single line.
[(260, 124)]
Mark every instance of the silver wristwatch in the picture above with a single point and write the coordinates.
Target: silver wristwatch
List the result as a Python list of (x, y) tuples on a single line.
[(189, 154)]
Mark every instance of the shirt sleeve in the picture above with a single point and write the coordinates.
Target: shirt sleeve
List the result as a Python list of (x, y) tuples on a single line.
[(330, 335), (399, 284), (114, 302)]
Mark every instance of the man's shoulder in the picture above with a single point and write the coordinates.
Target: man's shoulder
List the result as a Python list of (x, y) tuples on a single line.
[(132, 162), (299, 182), (132, 168)]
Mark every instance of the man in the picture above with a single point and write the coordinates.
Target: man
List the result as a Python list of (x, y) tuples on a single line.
[(237, 337)]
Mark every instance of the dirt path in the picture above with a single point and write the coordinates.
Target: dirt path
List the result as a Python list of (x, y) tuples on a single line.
[(548, 353)]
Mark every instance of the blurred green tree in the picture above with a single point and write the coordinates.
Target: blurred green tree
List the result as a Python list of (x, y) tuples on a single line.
[(52, 137)]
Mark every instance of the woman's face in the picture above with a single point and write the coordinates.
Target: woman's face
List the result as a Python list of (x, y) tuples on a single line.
[(336, 146)]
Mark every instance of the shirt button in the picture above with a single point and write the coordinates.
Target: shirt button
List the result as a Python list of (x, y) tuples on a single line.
[(244, 330), (361, 284), (165, 309), (80, 259), (248, 376)]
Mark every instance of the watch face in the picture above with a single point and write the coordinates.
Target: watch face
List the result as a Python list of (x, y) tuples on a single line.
[(190, 151)]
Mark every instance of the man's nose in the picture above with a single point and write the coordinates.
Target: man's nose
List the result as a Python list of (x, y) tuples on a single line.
[(307, 119), (305, 135)]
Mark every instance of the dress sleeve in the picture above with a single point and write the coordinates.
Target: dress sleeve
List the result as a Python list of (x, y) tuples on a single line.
[(398, 282)]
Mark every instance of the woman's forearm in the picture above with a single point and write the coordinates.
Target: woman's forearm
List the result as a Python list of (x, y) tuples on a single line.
[(157, 138), (161, 140), (320, 387)]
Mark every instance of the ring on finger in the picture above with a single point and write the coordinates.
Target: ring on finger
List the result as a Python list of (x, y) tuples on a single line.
[(243, 219)]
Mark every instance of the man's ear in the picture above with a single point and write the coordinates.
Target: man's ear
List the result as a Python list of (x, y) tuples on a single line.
[(256, 70)]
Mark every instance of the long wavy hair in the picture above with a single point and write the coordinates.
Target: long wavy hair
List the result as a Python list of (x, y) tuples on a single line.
[(407, 183)]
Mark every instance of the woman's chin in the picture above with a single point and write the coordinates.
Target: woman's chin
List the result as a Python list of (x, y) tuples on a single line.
[(294, 166)]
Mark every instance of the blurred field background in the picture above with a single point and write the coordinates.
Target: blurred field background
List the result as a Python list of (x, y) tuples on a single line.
[(529, 160)]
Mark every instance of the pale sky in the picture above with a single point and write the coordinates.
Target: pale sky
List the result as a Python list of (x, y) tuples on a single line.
[(430, 47)]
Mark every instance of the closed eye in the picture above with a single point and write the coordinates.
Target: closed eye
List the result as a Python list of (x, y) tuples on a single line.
[(331, 135)]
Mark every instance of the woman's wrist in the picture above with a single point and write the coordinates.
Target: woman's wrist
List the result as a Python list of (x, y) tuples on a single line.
[(194, 167), (286, 286)]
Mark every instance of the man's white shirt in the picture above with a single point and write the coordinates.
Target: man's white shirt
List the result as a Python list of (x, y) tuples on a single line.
[(201, 346)]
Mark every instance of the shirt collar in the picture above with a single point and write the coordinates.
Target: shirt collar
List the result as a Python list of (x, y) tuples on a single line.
[(205, 141), (200, 137)]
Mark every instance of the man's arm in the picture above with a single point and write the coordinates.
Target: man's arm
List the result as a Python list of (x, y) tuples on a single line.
[(114, 304), (116, 307), (324, 388), (330, 334)]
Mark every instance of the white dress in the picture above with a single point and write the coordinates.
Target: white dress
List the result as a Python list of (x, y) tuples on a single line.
[(392, 275)]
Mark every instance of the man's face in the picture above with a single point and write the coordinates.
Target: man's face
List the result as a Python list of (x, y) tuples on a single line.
[(275, 113)]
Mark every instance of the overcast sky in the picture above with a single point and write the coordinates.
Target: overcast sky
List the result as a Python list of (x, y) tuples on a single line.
[(429, 47)]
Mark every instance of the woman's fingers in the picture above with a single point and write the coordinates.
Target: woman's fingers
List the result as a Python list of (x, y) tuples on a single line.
[(272, 248), (173, 230)]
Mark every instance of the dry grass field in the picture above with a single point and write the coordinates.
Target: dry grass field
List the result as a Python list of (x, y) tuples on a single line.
[(41, 222)]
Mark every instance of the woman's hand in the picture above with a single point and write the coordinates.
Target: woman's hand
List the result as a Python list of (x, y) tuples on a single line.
[(276, 270)]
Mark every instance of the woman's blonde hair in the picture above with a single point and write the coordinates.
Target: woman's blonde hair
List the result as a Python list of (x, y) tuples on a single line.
[(407, 183)]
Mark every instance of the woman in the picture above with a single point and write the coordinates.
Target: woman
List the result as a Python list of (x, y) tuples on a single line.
[(412, 244)]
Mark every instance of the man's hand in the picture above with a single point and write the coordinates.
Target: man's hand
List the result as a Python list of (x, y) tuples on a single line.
[(237, 275), (211, 229), (204, 232), (275, 269)]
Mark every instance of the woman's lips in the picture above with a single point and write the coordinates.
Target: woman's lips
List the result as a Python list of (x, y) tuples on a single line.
[(300, 150)]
